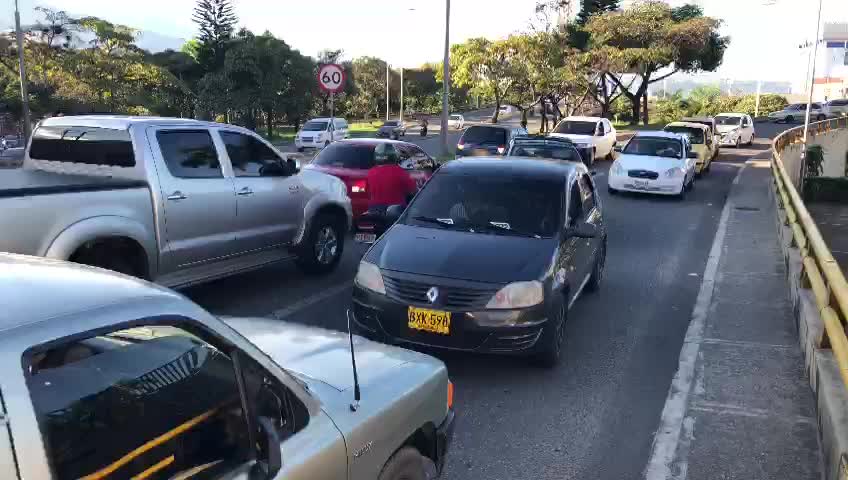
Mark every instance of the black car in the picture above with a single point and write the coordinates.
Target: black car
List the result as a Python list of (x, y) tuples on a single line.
[(488, 257), (393, 129), (480, 140), (554, 148)]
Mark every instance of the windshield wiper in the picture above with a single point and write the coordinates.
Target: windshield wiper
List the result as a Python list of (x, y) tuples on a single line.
[(503, 227), (445, 222)]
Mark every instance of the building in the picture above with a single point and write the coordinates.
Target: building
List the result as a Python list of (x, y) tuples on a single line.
[(831, 79)]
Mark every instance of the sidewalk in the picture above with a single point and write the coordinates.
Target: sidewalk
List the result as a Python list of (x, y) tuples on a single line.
[(740, 406)]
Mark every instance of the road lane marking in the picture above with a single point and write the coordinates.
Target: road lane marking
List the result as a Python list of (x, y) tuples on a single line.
[(673, 419), (282, 313)]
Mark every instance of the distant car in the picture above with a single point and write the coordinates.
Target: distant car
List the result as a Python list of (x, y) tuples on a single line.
[(654, 162), (699, 138), (735, 129), (479, 140), (320, 132), (107, 376), (798, 112), (836, 108), (393, 129), (351, 159), (456, 122), (10, 141), (711, 124), (552, 148), (506, 109), (595, 131), (488, 257)]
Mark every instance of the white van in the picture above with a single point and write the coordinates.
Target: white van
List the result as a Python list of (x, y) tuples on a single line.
[(320, 132)]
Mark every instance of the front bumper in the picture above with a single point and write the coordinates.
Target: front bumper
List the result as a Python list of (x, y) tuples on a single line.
[(385, 319), (728, 141), (444, 437), (310, 143), (661, 186)]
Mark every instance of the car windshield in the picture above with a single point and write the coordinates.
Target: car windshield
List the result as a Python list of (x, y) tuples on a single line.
[(696, 135), (544, 150), (575, 127), (455, 117), (314, 126), (391, 123), (654, 147), (485, 136), (346, 155), (728, 120), (477, 203)]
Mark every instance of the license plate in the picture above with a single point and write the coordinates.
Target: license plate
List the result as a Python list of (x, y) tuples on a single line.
[(365, 237), (640, 183), (426, 320)]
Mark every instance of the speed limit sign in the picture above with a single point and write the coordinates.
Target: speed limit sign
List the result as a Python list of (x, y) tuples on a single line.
[(331, 77)]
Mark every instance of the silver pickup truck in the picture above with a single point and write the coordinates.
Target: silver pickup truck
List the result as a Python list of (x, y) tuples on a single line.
[(111, 377), (170, 200)]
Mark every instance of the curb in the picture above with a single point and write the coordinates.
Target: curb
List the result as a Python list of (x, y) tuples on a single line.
[(819, 364)]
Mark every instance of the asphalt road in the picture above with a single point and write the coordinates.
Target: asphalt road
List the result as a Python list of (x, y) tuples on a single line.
[(595, 415)]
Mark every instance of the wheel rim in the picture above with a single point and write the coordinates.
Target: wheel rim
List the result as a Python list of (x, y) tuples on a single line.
[(327, 245)]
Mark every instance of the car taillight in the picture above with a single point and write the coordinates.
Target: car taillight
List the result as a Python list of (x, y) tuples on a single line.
[(460, 145), (501, 149), (359, 186)]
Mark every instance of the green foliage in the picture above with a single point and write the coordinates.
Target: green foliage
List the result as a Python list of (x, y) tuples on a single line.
[(216, 22), (369, 75), (589, 8), (814, 161), (672, 108)]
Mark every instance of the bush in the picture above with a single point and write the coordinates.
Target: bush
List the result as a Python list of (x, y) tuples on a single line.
[(826, 189), (672, 109), (621, 110)]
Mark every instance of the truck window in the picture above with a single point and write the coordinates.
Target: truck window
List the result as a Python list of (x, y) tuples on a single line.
[(88, 145), (247, 154), (189, 153), (145, 402)]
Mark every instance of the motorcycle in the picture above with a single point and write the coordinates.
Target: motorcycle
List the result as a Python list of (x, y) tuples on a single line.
[(424, 128), (374, 223)]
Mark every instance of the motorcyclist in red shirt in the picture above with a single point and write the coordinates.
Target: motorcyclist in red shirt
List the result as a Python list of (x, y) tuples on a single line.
[(388, 183)]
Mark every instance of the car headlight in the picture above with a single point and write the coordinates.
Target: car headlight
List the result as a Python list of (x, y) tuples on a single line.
[(674, 172), (369, 277), (617, 169), (517, 295)]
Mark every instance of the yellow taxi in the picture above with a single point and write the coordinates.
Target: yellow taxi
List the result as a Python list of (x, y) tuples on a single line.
[(701, 140)]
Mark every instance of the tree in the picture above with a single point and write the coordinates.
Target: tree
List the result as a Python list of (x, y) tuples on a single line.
[(216, 21), (369, 77), (649, 43), (486, 67), (589, 8)]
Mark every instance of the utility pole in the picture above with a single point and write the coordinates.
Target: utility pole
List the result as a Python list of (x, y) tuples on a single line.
[(387, 91), (22, 70), (401, 94), (757, 105), (446, 81), (810, 97)]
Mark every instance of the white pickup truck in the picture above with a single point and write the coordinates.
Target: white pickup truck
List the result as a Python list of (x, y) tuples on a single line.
[(170, 200)]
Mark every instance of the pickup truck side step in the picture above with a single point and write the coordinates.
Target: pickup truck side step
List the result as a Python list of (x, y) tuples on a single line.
[(223, 268)]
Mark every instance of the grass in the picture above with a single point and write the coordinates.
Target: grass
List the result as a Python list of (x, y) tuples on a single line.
[(282, 134)]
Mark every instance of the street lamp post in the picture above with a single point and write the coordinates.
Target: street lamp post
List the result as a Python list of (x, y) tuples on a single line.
[(401, 95), (810, 96), (446, 81), (387, 91), (22, 70)]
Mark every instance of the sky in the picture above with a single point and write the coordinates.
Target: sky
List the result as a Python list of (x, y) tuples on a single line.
[(764, 39)]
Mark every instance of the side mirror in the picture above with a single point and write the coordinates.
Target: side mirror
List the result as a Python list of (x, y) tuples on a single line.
[(270, 459), (599, 133), (618, 148), (292, 166), (692, 155), (274, 169), (393, 213), (581, 229)]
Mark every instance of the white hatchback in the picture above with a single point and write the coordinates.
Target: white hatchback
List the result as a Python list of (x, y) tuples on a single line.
[(735, 129), (654, 162)]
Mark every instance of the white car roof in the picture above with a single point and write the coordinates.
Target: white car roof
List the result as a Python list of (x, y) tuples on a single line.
[(582, 119), (120, 122), (740, 115), (660, 134), (324, 119)]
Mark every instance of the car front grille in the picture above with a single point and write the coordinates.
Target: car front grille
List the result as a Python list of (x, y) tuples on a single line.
[(450, 297), (643, 174)]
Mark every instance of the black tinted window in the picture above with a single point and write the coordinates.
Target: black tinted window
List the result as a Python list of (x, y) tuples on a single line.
[(576, 127), (346, 155), (655, 147), (696, 135), (247, 154), (130, 400), (544, 150), (90, 145), (413, 158), (189, 153), (474, 202), (485, 135)]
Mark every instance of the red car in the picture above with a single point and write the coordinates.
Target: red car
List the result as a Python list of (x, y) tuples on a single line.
[(350, 161)]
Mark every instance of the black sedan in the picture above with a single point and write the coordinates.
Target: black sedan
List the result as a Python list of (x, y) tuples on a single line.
[(554, 148), (393, 129), (488, 257)]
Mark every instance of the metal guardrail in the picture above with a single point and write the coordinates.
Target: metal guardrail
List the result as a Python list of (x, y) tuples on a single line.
[(820, 271)]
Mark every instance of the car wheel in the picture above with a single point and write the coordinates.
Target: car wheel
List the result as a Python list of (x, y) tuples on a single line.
[(322, 248), (406, 464), (789, 119), (326, 144), (610, 156), (683, 190), (738, 142), (552, 340), (300, 149), (821, 117), (598, 272), (611, 190)]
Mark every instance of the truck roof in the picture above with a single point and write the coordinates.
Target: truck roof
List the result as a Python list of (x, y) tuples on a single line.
[(121, 122)]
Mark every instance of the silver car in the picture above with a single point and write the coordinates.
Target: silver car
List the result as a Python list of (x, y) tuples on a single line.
[(107, 376)]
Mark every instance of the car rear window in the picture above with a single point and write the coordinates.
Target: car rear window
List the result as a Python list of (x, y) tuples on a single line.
[(485, 135), (696, 135), (576, 127), (88, 145), (556, 151), (346, 155)]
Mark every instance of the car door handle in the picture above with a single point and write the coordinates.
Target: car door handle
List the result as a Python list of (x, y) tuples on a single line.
[(294, 188), (178, 195), (245, 191)]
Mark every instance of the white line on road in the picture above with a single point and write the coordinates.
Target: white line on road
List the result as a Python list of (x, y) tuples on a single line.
[(282, 313), (672, 420)]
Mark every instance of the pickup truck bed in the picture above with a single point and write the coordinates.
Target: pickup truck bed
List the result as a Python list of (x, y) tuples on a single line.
[(20, 182)]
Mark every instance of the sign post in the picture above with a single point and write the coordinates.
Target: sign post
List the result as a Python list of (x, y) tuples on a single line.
[(331, 79)]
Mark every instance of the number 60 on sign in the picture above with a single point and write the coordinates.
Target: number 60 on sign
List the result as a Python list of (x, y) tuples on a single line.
[(331, 77)]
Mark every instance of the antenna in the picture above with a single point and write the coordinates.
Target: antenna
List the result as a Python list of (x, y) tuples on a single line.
[(356, 396)]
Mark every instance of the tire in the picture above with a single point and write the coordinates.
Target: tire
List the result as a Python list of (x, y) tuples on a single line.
[(610, 156), (611, 190), (789, 119), (751, 140), (114, 259), (323, 247), (551, 348), (682, 195), (300, 149), (738, 143), (598, 270), (406, 464), (326, 144), (821, 117)]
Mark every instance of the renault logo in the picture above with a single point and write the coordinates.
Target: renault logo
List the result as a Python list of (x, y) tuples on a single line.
[(433, 294)]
